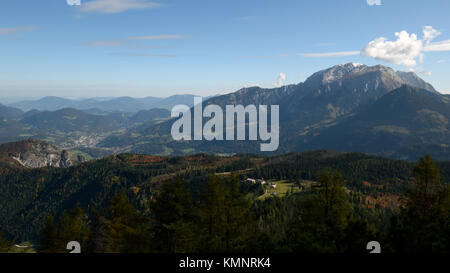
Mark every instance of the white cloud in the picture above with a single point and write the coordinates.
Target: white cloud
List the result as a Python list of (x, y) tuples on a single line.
[(441, 61), (425, 73), (438, 46), (407, 48), (104, 43), (247, 18), (138, 54), (248, 85), (126, 41), (73, 2), (330, 54), (14, 30), (421, 72), (403, 51), (281, 80), (429, 34), (159, 37), (373, 2), (117, 6)]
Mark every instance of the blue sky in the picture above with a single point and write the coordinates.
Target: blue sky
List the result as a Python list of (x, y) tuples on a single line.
[(159, 48)]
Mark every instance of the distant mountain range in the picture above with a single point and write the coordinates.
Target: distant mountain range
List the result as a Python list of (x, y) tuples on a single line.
[(101, 105), (349, 108), (71, 128)]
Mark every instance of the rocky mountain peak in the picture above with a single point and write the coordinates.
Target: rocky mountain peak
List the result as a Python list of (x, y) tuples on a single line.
[(37, 154), (334, 73), (381, 74)]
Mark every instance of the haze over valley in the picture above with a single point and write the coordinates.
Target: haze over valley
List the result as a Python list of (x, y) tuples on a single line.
[(349, 107)]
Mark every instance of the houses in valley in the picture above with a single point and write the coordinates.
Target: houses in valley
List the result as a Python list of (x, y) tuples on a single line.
[(259, 181)]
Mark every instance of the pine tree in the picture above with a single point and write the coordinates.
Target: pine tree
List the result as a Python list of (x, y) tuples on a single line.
[(226, 222), (48, 236), (212, 215), (323, 216), (174, 213), (239, 222), (128, 229), (424, 195), (332, 200), (423, 224), (72, 226), (99, 239)]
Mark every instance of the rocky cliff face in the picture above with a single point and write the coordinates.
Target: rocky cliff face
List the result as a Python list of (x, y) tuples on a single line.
[(38, 154)]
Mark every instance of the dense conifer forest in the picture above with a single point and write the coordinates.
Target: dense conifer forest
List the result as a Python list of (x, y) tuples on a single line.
[(315, 202)]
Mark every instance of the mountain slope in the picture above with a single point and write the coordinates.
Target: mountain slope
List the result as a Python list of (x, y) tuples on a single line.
[(307, 110), (148, 116), (405, 118), (340, 90), (412, 79), (9, 112), (254, 95), (13, 130), (348, 102), (47, 103), (30, 196), (69, 120)]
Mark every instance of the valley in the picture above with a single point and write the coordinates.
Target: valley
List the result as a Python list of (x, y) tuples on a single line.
[(367, 123), (349, 108)]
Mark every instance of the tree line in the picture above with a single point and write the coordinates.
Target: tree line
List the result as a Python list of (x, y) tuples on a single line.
[(222, 216)]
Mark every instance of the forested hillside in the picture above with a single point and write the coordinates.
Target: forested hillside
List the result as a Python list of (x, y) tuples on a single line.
[(140, 203)]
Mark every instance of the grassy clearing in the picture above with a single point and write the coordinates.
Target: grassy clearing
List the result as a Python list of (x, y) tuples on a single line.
[(284, 187)]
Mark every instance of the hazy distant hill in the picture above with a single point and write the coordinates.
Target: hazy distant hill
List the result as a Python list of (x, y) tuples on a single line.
[(9, 112), (73, 129), (13, 130), (30, 113), (71, 120), (121, 104), (145, 116)]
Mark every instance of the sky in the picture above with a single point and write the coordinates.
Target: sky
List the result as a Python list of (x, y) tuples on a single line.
[(138, 48)]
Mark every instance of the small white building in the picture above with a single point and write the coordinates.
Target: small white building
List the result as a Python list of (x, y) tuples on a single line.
[(250, 180)]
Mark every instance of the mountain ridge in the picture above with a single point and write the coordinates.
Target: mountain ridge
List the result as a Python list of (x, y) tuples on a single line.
[(405, 117), (327, 100), (323, 101), (9, 112), (108, 105)]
